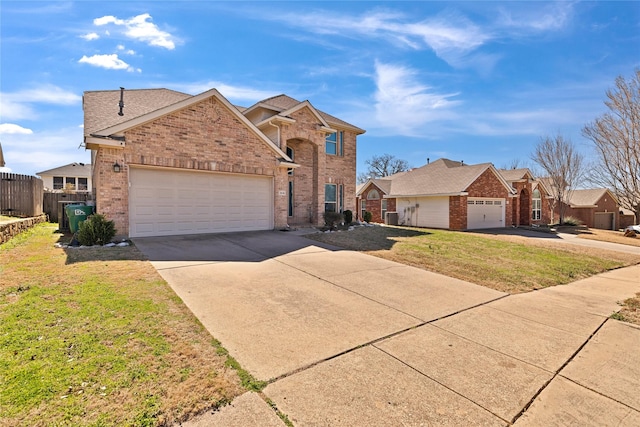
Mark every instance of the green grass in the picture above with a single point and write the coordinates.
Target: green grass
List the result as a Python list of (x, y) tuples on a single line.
[(496, 263), (96, 337)]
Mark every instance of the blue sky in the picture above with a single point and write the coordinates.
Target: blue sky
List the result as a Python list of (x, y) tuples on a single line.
[(472, 81)]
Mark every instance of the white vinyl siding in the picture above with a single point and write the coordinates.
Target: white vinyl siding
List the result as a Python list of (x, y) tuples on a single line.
[(431, 212), (169, 202), (485, 213)]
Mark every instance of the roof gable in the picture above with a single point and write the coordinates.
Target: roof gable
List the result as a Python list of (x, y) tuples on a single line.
[(120, 128), (72, 169), (441, 177), (283, 104), (382, 184), (589, 197)]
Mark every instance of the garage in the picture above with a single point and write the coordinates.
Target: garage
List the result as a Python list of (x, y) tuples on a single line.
[(604, 220), (166, 202), (430, 212), (485, 213)]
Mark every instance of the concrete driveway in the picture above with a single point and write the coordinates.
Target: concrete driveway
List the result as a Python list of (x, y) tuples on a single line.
[(349, 339)]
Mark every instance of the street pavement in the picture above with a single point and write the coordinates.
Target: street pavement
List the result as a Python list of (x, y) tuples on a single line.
[(349, 339)]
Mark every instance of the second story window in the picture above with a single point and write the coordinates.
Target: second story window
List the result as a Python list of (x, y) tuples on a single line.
[(290, 154), (58, 183), (331, 144)]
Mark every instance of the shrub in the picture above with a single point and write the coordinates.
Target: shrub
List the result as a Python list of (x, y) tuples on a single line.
[(348, 217), (367, 216), (96, 230), (569, 220), (331, 219)]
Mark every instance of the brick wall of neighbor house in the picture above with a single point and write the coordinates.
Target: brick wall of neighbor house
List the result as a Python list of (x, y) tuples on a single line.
[(373, 205), (305, 136), (204, 136), (587, 215), (490, 186), (458, 212), (391, 206)]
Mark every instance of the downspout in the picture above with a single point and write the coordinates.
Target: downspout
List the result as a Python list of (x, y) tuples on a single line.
[(278, 137)]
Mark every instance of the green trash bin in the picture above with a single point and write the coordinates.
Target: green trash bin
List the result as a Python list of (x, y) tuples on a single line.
[(77, 214)]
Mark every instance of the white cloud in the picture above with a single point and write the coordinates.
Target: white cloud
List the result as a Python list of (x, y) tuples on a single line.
[(11, 128), (234, 93), (450, 36), (108, 61), (404, 103), (121, 47), (18, 105), (142, 29), (42, 150), (90, 36), (542, 18)]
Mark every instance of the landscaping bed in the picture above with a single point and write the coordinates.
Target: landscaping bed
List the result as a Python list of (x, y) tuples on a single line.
[(94, 336)]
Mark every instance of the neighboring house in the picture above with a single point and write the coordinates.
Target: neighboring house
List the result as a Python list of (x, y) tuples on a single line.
[(533, 204), (181, 164), (596, 208), (373, 197), (3, 168), (72, 177), (443, 194)]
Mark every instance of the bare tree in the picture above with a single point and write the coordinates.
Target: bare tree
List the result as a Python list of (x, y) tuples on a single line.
[(616, 137), (563, 165), (381, 166)]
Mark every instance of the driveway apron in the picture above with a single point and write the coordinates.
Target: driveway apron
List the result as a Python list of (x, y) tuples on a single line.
[(349, 339)]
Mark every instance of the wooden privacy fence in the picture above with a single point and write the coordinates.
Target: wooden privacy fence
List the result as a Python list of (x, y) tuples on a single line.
[(20, 195), (52, 206)]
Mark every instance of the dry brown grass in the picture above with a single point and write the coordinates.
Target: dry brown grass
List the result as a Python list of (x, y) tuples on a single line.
[(630, 311), (507, 263), (609, 236), (135, 337)]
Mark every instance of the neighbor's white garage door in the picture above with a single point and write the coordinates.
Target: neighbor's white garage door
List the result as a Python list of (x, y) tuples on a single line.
[(485, 213), (166, 202)]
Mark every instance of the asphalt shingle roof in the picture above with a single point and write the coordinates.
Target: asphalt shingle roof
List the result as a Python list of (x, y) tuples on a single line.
[(72, 169), (443, 176), (101, 107), (587, 197), (284, 102)]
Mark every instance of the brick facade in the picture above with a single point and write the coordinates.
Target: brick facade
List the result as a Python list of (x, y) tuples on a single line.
[(374, 205), (204, 136), (208, 136), (317, 168), (606, 203)]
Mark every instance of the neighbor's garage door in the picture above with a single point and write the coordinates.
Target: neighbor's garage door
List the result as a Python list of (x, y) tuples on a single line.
[(166, 202), (485, 213), (604, 220)]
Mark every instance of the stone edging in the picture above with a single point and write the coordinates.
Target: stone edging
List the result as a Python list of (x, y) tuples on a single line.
[(12, 229)]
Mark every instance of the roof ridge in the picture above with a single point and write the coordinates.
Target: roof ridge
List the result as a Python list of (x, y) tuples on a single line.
[(138, 90)]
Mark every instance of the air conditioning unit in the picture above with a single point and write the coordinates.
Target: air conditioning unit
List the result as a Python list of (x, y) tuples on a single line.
[(391, 218)]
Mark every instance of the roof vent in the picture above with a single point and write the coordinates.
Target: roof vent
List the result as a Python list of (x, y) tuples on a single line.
[(121, 103)]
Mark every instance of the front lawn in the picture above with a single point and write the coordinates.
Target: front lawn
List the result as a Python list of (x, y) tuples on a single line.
[(96, 337), (509, 265)]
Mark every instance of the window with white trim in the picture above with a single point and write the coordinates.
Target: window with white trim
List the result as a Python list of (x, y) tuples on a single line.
[(383, 208), (83, 184), (334, 144), (363, 207), (58, 183), (536, 205), (331, 144), (330, 198), (70, 182), (373, 195)]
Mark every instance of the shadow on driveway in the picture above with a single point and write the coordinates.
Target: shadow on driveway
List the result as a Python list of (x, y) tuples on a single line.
[(253, 246)]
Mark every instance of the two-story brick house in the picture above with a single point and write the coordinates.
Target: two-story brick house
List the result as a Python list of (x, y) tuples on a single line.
[(180, 164)]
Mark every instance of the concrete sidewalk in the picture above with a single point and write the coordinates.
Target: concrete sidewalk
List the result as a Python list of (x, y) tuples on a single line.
[(349, 339)]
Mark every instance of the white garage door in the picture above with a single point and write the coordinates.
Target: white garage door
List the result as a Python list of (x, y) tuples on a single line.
[(485, 213), (431, 212), (166, 202)]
